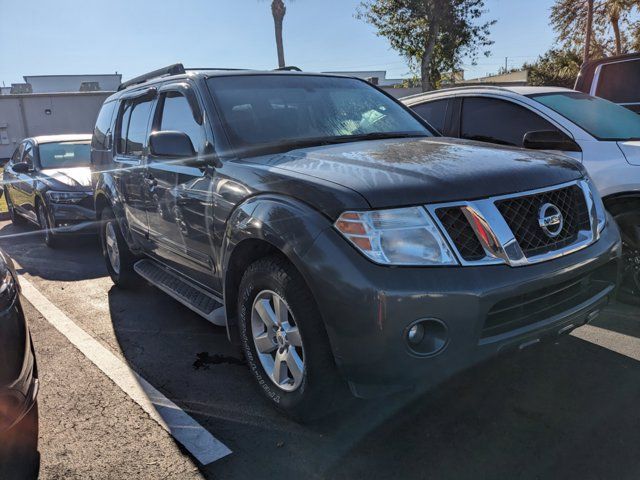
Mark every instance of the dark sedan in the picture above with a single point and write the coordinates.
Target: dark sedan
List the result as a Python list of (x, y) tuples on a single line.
[(48, 182), (18, 383)]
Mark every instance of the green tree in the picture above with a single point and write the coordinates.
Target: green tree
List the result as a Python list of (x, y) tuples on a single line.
[(434, 35), (555, 67), (609, 31)]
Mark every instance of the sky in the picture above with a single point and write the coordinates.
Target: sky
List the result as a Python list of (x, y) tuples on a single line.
[(47, 37)]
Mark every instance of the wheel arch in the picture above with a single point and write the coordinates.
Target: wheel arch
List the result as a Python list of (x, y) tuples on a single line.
[(263, 226), (618, 198)]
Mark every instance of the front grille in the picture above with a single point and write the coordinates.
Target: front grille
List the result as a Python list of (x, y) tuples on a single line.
[(545, 303), (521, 214), (461, 233)]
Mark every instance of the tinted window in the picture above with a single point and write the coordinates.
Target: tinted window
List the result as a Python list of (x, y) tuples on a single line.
[(177, 115), (279, 110), (433, 112), (64, 155), (123, 125), (137, 132), (619, 82), (103, 125), (601, 118), (498, 121), (133, 127)]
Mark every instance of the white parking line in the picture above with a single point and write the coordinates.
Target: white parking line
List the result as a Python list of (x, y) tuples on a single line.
[(195, 438), (614, 341)]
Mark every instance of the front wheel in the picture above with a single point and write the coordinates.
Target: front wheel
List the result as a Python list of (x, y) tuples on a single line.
[(284, 341), (50, 239), (117, 255), (627, 216)]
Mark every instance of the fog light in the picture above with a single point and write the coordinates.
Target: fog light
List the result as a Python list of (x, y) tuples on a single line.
[(427, 337), (416, 334)]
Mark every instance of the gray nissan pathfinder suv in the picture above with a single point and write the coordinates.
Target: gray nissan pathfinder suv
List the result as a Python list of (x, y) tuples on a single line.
[(335, 236)]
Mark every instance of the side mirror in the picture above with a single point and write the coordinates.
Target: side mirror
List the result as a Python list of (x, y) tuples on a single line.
[(21, 167), (171, 145), (549, 140)]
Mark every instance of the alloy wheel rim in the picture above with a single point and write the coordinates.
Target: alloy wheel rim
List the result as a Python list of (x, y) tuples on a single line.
[(277, 341), (111, 243)]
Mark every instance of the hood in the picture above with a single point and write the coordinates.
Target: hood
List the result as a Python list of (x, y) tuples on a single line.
[(631, 151), (390, 173), (75, 178)]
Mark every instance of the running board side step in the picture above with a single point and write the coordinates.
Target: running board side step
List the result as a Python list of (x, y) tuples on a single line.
[(192, 297)]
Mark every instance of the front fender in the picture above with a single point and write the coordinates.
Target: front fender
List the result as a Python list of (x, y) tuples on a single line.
[(259, 225), (286, 223)]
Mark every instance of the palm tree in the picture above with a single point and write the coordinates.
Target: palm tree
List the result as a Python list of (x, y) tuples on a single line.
[(278, 10), (617, 11)]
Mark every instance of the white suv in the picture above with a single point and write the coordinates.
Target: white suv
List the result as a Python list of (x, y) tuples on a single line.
[(604, 136)]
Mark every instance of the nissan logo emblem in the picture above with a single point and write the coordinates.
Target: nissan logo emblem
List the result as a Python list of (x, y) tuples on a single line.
[(550, 220)]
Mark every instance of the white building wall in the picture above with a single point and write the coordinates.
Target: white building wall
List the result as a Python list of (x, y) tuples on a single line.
[(24, 116)]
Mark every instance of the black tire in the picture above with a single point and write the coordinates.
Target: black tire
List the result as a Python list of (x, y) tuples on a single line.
[(50, 238), (17, 219), (627, 216), (322, 389), (19, 457), (123, 276)]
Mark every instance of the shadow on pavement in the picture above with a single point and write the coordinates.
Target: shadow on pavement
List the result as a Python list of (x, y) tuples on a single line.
[(560, 410), (78, 258)]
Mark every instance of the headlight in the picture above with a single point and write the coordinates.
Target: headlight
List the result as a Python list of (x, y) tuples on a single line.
[(67, 197), (404, 236), (601, 212)]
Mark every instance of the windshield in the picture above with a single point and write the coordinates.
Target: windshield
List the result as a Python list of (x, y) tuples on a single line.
[(64, 155), (267, 110), (601, 118)]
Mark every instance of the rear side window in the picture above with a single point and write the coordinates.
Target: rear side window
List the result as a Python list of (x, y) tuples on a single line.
[(498, 121), (177, 115), (433, 112), (133, 127), (619, 82), (103, 127)]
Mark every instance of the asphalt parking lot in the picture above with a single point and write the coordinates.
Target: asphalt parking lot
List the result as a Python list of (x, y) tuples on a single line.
[(568, 409)]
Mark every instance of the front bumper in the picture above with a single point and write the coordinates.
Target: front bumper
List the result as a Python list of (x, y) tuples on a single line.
[(19, 385), (72, 218), (367, 308)]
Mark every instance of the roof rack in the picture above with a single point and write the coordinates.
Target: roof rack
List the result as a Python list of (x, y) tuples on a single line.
[(288, 68), (175, 69)]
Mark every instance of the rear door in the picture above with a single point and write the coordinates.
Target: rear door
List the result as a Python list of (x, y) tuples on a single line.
[(494, 120), (131, 131), (437, 113), (9, 177), (182, 197), (23, 195)]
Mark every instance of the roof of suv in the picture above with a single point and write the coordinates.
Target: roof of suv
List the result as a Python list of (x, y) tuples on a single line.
[(178, 71), (483, 89)]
